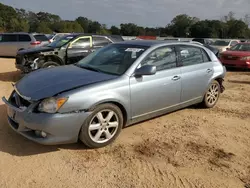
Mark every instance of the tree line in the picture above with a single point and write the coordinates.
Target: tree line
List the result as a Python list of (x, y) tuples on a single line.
[(20, 20)]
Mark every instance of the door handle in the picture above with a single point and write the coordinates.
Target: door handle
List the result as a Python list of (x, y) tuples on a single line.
[(176, 78), (209, 70)]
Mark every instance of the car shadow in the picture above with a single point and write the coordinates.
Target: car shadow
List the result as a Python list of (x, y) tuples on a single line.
[(17, 145), (13, 76), (233, 69)]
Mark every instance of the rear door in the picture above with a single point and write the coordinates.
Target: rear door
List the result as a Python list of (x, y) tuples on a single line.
[(8, 45), (196, 72), (24, 41), (99, 42), (78, 49)]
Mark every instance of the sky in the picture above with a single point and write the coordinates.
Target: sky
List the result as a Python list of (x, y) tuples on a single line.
[(151, 13)]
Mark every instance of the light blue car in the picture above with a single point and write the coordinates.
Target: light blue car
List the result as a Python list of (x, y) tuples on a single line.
[(115, 86)]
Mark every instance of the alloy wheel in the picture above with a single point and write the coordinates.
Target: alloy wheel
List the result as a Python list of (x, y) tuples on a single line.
[(212, 94), (103, 126)]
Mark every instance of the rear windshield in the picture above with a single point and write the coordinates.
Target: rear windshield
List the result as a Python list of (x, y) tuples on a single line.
[(41, 37)]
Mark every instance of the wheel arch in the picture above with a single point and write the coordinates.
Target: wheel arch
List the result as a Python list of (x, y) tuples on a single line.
[(118, 104), (54, 58)]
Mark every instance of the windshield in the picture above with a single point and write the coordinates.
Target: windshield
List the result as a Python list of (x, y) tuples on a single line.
[(241, 47), (61, 41), (113, 59), (221, 43)]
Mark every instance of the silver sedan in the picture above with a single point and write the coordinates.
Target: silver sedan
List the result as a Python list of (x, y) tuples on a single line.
[(116, 86)]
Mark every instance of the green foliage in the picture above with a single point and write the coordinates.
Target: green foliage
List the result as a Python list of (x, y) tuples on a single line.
[(115, 30), (181, 26)]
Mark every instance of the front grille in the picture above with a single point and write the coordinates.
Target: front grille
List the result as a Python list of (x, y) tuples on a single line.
[(18, 101), (228, 57)]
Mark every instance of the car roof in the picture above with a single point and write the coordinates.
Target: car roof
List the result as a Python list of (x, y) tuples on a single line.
[(150, 43)]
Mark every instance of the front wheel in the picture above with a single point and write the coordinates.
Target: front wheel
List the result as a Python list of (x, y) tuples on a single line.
[(212, 95), (102, 127), (50, 64)]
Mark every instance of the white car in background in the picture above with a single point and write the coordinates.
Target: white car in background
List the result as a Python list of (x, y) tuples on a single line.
[(223, 44)]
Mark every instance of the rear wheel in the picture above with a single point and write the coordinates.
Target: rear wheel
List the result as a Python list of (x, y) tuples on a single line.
[(50, 64), (102, 127), (212, 95)]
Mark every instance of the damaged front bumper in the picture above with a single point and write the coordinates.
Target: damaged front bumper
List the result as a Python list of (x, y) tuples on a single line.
[(28, 64), (43, 128)]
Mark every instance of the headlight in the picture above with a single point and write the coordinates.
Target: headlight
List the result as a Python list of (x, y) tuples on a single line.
[(245, 58), (51, 105)]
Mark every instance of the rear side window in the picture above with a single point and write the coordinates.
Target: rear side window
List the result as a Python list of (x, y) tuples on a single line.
[(205, 56), (41, 38), (100, 41), (24, 38), (9, 38), (189, 55)]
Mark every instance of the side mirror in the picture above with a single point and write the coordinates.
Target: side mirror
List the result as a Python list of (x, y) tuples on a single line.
[(145, 70), (227, 48)]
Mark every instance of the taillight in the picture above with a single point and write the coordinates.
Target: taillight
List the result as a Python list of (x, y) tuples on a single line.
[(36, 43)]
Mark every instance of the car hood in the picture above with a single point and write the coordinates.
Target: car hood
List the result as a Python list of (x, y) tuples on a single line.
[(45, 83), (35, 50)]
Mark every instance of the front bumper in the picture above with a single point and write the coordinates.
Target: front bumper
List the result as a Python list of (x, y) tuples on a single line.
[(60, 128)]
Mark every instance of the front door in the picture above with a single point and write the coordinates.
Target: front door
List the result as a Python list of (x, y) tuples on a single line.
[(196, 72), (78, 49), (153, 93)]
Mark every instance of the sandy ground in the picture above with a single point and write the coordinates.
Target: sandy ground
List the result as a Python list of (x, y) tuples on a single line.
[(188, 148)]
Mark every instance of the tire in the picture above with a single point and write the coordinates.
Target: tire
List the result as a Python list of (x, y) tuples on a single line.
[(212, 95), (50, 64), (96, 136)]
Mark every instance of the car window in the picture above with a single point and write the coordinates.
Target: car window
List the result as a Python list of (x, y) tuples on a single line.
[(24, 38), (205, 56), (82, 43), (100, 41), (163, 58), (189, 55), (114, 58), (233, 43), (9, 38), (41, 38)]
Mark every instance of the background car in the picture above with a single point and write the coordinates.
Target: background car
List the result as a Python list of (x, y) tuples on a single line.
[(66, 50), (11, 43), (203, 41), (237, 56), (116, 86), (57, 36), (222, 45), (213, 49)]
